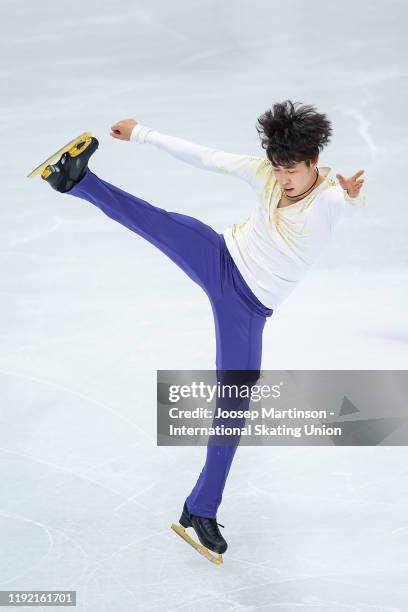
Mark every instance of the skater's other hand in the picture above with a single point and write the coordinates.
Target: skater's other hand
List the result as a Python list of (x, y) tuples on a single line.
[(123, 129), (352, 185)]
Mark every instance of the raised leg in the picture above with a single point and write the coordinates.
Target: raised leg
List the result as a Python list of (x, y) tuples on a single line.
[(191, 244)]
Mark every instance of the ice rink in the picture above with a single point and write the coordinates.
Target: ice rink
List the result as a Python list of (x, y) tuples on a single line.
[(90, 311)]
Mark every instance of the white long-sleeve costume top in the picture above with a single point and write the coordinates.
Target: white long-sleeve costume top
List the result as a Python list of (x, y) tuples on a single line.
[(274, 247)]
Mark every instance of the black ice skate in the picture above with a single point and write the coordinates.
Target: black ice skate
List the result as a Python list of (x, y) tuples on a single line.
[(207, 532), (71, 165)]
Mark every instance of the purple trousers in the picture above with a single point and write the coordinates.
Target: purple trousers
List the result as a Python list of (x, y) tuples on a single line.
[(239, 316)]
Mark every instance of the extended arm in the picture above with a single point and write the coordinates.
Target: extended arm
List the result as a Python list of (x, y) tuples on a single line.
[(245, 167)]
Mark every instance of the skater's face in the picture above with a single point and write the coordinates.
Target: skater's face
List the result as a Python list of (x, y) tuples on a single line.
[(297, 178)]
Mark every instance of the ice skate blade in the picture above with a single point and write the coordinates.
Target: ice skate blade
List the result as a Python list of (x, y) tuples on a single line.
[(85, 138), (217, 559)]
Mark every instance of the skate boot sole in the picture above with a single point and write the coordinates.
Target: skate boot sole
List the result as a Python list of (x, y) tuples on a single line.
[(74, 147), (180, 530)]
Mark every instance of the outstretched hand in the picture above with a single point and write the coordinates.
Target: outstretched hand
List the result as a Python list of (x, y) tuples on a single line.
[(123, 129), (352, 185)]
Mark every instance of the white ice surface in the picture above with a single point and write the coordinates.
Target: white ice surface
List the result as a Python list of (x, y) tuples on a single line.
[(89, 311)]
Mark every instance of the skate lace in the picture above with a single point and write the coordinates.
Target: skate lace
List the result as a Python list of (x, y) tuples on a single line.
[(213, 524)]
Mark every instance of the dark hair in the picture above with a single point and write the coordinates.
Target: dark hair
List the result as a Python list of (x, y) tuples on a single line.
[(291, 133)]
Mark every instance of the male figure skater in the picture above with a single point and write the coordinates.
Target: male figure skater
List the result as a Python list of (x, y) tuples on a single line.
[(250, 268)]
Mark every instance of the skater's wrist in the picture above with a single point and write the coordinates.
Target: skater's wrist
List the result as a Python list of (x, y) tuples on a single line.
[(357, 200), (139, 133)]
